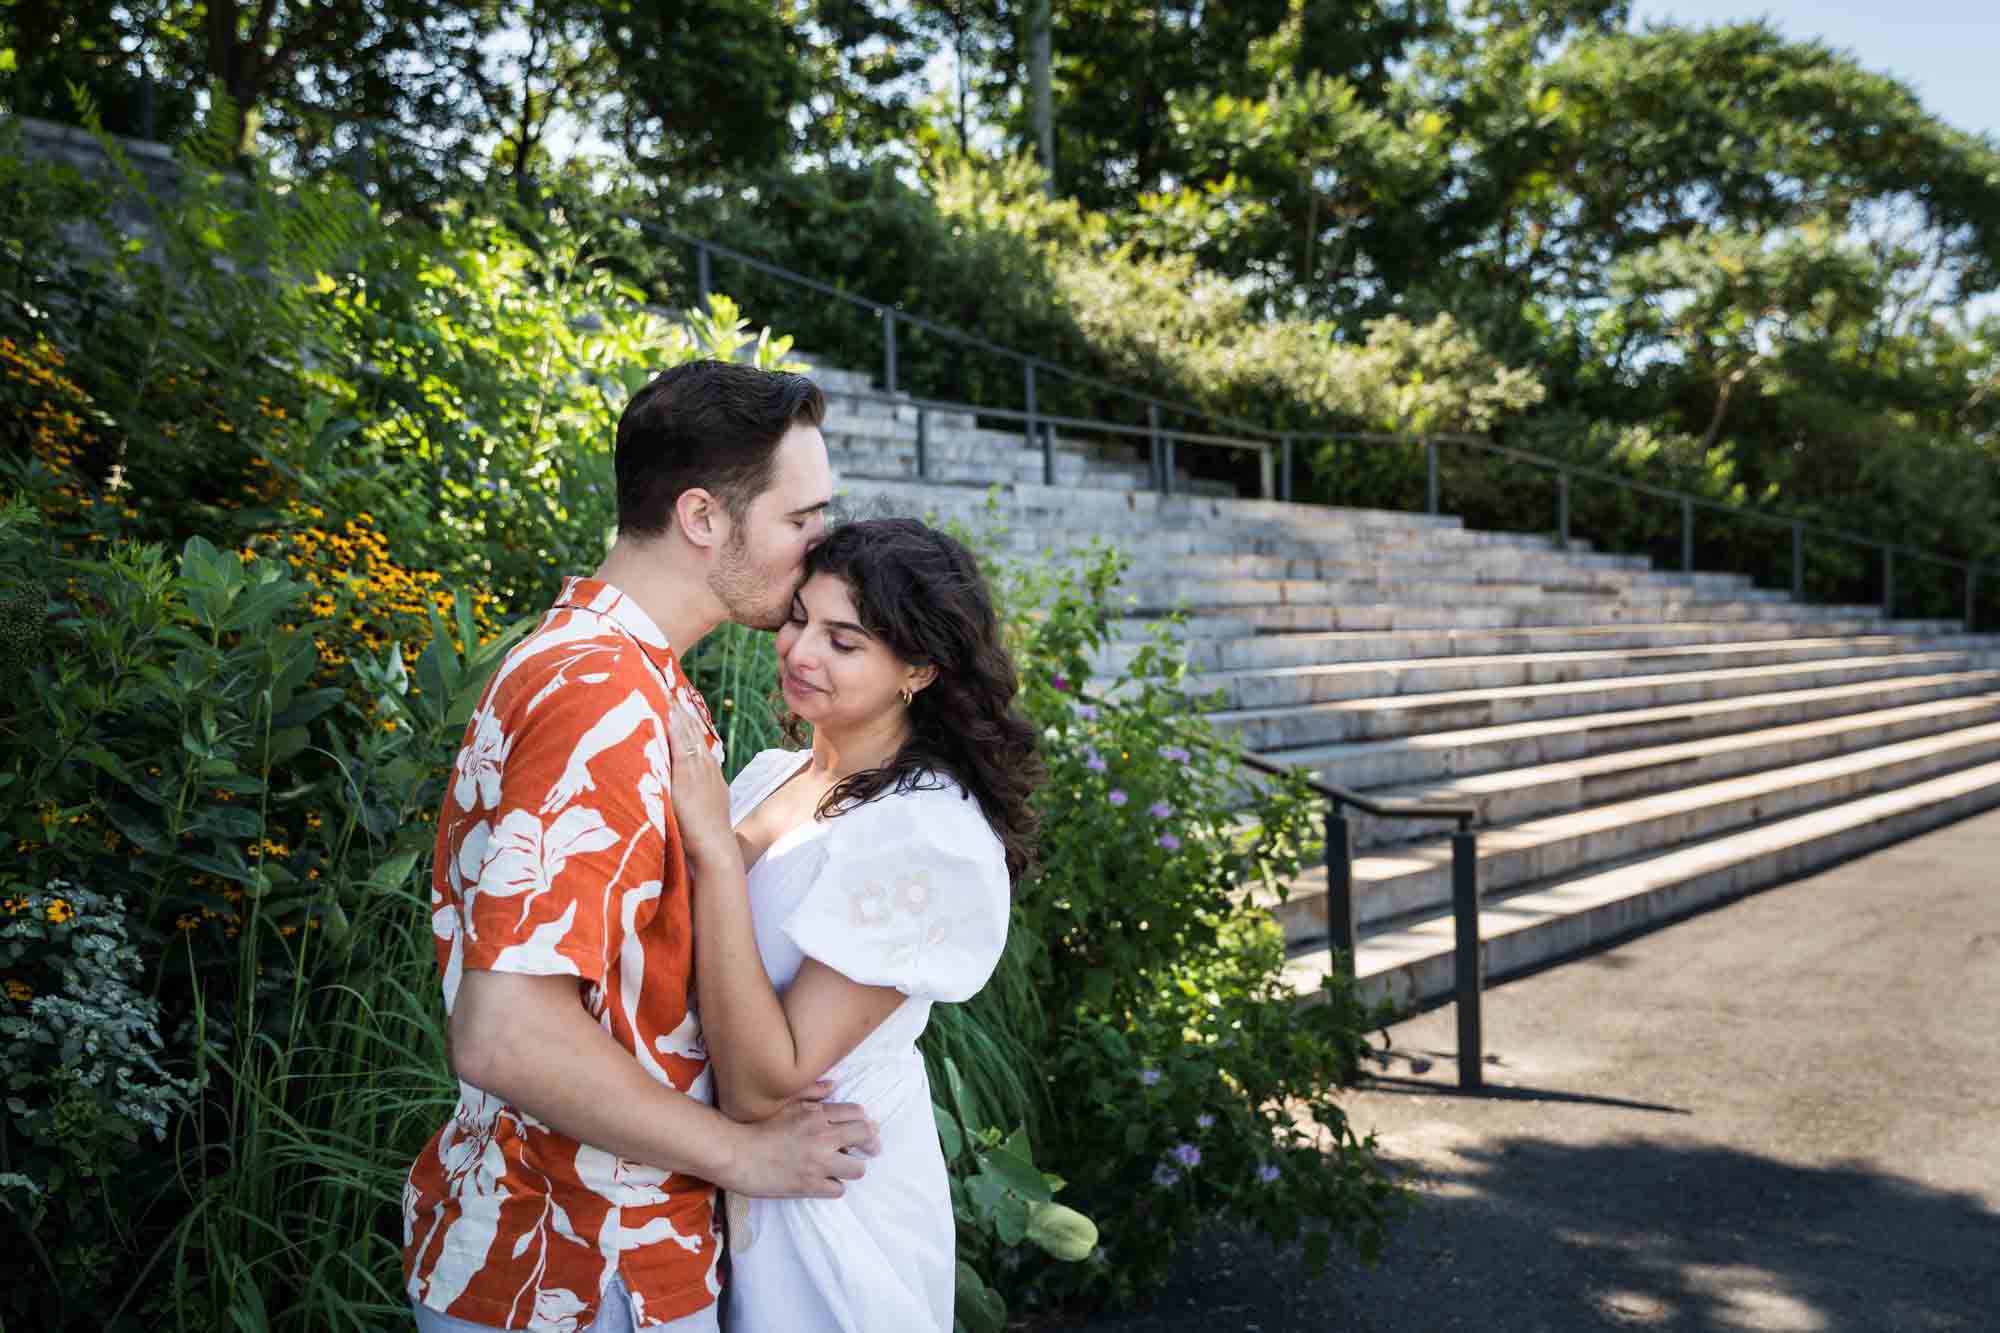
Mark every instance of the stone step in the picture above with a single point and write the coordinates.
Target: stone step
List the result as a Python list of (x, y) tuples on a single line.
[(1425, 563), (1151, 593), (1415, 878), (1070, 471), (1250, 551), (1394, 716), (1436, 756), (1412, 963), (1549, 614), (1517, 794), (1029, 505), (1211, 653), (1291, 686)]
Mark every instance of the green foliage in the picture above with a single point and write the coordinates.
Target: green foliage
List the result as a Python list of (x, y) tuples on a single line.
[(88, 1095), (1181, 1084), (262, 829)]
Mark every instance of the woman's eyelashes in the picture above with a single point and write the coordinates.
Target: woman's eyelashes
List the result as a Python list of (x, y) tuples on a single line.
[(798, 617)]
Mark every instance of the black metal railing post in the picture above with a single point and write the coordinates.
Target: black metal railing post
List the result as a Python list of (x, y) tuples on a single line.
[(1562, 509), (1340, 926), (1153, 455), (1971, 587), (888, 350), (923, 442), (1431, 467), (1468, 963), (1888, 582), (1285, 467), (1687, 536), (1798, 562), (703, 277)]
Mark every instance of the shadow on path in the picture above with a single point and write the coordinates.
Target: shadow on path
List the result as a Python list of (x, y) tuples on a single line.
[(1520, 1233)]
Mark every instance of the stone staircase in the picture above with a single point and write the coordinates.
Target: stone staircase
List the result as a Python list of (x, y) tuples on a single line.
[(1638, 742), (867, 437)]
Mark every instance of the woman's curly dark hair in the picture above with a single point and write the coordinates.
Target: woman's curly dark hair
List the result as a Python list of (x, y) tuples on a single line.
[(922, 594)]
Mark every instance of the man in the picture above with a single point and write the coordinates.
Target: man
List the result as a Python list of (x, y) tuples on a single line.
[(574, 1185)]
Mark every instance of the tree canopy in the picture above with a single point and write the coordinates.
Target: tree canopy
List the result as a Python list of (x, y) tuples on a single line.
[(1751, 248)]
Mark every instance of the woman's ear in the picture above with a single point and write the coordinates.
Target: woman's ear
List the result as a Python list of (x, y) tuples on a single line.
[(920, 678)]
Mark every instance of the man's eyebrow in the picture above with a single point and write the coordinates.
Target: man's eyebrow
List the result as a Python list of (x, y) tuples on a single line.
[(809, 509)]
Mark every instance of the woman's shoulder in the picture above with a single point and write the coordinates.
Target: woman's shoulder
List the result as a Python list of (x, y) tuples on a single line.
[(933, 809), (764, 766)]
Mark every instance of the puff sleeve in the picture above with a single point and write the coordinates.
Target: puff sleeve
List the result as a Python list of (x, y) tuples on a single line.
[(913, 893)]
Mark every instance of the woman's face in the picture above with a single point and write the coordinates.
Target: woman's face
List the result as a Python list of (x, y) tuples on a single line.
[(832, 672)]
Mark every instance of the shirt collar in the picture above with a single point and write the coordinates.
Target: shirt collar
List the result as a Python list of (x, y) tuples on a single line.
[(586, 594)]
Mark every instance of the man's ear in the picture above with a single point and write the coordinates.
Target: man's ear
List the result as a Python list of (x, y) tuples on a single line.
[(700, 516)]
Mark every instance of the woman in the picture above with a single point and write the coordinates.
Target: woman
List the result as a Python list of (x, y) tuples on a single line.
[(880, 863)]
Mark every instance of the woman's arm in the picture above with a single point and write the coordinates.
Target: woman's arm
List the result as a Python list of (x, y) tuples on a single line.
[(764, 1051)]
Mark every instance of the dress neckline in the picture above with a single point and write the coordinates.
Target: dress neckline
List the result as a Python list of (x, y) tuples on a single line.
[(784, 774)]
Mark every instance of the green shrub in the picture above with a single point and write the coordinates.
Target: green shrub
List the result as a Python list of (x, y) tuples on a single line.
[(1181, 1080)]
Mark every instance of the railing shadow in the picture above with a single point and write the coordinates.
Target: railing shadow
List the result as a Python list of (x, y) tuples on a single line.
[(1519, 1233)]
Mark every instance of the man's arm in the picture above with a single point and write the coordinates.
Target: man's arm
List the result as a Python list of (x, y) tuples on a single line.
[(529, 1040)]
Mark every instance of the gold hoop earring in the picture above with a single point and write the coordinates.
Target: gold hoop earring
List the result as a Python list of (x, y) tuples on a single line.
[(907, 695)]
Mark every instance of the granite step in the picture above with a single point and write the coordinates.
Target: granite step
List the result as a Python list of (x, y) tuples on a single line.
[(1439, 755), (1410, 962), (1415, 878)]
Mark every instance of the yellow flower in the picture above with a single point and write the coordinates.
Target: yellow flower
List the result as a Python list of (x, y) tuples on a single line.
[(19, 991), (59, 910)]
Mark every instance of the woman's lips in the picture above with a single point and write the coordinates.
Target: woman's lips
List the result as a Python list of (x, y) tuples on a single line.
[(798, 686)]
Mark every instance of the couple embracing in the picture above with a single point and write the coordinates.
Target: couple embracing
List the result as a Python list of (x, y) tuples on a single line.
[(660, 985)]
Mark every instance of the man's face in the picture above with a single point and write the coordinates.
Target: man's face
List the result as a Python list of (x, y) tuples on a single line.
[(763, 560)]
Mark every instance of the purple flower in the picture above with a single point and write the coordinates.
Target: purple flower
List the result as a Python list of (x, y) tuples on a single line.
[(1170, 842), (1059, 683), (1148, 1077), (1267, 1174), (1165, 1176), (1088, 712), (1204, 1121), (1117, 796), (1175, 753), (1161, 809), (1187, 1155), (1095, 763)]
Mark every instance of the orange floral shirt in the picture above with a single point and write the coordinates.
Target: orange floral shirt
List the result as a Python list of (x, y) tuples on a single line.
[(558, 854)]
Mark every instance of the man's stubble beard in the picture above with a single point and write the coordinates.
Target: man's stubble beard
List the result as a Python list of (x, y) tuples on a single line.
[(738, 585)]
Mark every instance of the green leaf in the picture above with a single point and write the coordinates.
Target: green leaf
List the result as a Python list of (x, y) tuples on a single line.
[(1012, 1165), (233, 822), (950, 1140), (391, 873), (976, 1307), (137, 828), (306, 707)]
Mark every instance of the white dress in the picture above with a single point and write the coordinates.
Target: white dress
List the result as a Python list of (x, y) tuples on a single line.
[(909, 891)]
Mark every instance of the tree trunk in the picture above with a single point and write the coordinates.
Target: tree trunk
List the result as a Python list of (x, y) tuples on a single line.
[(1040, 95)]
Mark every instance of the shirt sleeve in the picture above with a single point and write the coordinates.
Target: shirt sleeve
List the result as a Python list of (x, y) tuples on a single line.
[(566, 836), (913, 894)]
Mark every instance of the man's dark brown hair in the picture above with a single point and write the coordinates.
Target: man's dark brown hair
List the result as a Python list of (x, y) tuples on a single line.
[(708, 424)]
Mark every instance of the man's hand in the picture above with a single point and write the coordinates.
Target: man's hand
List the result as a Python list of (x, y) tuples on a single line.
[(803, 1152)]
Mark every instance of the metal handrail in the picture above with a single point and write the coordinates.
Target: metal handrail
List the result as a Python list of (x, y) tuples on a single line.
[(1800, 528), (1342, 925)]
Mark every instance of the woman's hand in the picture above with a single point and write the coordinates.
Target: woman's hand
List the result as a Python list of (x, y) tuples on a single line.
[(700, 796)]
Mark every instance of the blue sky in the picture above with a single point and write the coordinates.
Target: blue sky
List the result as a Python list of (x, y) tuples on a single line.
[(1947, 51)]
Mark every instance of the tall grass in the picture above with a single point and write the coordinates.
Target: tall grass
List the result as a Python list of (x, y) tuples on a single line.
[(298, 1224), (736, 670)]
